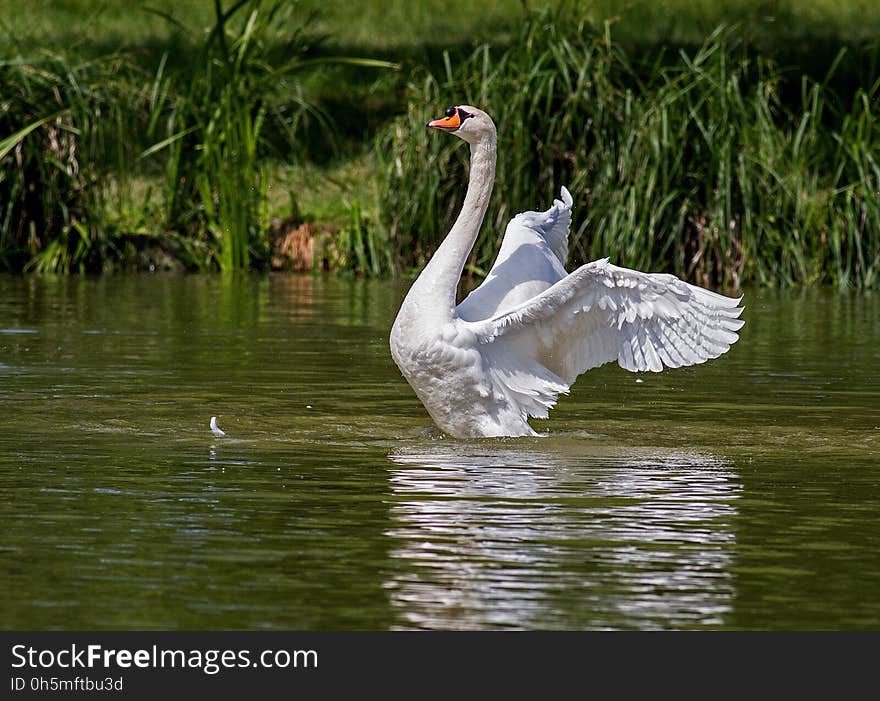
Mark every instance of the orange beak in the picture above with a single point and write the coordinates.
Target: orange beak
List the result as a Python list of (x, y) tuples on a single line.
[(448, 123)]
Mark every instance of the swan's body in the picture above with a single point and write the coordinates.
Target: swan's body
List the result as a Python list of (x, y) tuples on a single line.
[(483, 367)]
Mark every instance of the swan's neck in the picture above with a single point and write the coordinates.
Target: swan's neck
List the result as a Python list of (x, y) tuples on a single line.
[(438, 283)]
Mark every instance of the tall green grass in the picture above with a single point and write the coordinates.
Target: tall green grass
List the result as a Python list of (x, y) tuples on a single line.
[(209, 122), (74, 135), (691, 164), (709, 161), (65, 157)]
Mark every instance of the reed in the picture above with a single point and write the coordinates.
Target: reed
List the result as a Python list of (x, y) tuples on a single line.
[(202, 132), (65, 124), (692, 164), (709, 161), (208, 122)]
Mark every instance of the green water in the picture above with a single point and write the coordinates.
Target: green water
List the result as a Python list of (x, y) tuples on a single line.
[(744, 493)]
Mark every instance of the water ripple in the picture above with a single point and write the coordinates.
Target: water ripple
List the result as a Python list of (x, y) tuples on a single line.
[(489, 538)]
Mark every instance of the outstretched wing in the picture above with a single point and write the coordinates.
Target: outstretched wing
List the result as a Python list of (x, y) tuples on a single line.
[(602, 312), (552, 225), (530, 260)]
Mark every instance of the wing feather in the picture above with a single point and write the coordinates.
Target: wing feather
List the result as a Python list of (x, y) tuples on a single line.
[(601, 313), (552, 225), (530, 260)]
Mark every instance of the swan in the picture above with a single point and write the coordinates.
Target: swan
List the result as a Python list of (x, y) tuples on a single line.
[(519, 340)]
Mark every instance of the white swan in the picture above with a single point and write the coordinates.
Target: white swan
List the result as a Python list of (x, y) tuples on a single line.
[(483, 367)]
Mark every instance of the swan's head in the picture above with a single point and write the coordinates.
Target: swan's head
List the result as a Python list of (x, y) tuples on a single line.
[(466, 122)]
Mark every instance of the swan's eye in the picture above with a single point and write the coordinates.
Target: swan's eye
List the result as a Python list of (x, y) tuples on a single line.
[(462, 115), (450, 111)]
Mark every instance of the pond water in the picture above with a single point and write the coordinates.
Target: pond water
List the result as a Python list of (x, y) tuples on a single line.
[(744, 493)]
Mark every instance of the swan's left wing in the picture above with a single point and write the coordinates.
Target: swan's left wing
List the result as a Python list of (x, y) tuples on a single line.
[(602, 312)]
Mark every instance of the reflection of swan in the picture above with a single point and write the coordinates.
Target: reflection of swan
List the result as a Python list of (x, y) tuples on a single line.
[(507, 537), (522, 337)]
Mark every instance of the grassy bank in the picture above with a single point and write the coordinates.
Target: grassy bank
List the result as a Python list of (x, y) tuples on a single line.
[(158, 162), (189, 139), (697, 166)]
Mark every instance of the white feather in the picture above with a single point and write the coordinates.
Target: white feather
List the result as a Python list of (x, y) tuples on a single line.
[(215, 429), (642, 320)]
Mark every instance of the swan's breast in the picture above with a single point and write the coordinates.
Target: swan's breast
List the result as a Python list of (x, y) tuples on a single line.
[(432, 355), (453, 378), (443, 365)]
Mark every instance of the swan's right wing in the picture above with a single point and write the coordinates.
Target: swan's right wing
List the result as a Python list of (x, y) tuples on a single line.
[(552, 225), (531, 259), (601, 313)]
